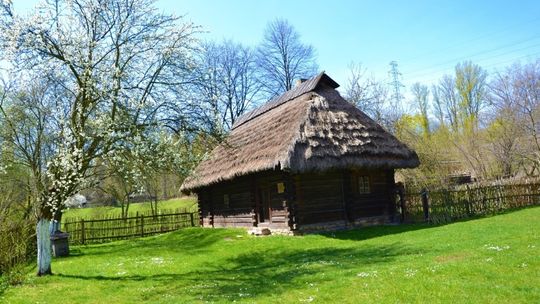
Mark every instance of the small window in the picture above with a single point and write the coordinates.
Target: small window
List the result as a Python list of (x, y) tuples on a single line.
[(280, 188), (363, 184), (226, 200)]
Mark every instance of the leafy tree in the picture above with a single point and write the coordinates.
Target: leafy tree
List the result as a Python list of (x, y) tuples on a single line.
[(471, 88), (447, 102), (117, 62), (421, 93)]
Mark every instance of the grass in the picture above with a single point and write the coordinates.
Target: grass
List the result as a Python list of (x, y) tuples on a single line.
[(188, 203), (488, 260)]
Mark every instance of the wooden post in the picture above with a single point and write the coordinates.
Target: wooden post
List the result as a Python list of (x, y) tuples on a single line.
[(192, 220), (346, 192), (83, 237), (290, 201), (211, 208), (254, 201), (142, 225), (201, 216), (425, 204), (469, 201), (400, 191)]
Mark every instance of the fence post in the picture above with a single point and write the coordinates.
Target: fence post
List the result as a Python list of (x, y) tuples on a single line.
[(469, 204), (83, 236), (142, 225), (425, 204), (400, 190), (191, 217)]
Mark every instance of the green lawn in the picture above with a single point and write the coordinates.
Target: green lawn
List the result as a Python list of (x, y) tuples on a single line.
[(489, 260), (188, 203)]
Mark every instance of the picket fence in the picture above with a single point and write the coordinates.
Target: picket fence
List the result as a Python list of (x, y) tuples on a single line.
[(108, 229), (447, 205)]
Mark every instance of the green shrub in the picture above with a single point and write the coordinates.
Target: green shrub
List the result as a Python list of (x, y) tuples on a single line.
[(17, 244)]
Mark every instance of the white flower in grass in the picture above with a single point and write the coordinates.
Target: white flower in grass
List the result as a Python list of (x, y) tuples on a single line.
[(409, 273), (433, 268), (308, 300), (366, 274), (157, 260), (496, 248)]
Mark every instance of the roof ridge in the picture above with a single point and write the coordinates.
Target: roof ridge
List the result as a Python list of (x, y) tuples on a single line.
[(304, 87)]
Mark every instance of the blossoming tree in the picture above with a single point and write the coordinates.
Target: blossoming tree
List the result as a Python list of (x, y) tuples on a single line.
[(116, 61)]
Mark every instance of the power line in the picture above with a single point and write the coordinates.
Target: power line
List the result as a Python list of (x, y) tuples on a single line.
[(452, 61), (415, 75), (486, 67), (466, 42)]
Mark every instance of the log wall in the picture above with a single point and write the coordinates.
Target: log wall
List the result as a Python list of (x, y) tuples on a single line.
[(244, 201), (311, 198), (334, 196), (380, 200), (320, 198), (239, 212)]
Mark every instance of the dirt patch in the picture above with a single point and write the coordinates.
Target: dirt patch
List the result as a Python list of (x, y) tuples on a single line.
[(456, 257)]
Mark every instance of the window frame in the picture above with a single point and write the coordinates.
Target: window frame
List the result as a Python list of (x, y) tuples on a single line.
[(356, 177), (363, 184)]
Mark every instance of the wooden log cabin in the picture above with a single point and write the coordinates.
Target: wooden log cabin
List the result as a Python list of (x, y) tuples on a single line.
[(307, 160)]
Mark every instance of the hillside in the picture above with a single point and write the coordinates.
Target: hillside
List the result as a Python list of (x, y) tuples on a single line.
[(489, 260)]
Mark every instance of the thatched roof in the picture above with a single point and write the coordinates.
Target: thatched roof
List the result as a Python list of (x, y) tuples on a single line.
[(309, 128)]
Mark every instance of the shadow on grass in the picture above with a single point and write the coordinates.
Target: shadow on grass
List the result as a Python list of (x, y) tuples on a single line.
[(263, 273), (365, 233)]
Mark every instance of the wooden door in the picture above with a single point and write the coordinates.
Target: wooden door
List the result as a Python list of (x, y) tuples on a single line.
[(263, 208)]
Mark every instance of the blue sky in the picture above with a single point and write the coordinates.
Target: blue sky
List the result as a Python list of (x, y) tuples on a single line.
[(426, 38)]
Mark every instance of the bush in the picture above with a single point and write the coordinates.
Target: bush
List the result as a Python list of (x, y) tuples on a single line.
[(17, 244)]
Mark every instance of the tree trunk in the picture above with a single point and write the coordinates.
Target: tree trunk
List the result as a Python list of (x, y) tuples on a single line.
[(44, 255)]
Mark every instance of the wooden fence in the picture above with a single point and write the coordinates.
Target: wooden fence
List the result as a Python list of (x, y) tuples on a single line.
[(447, 205), (83, 231)]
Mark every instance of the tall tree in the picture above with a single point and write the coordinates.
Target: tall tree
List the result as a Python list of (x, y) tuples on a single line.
[(368, 94), (471, 88), (226, 84), (438, 106), (116, 61), (27, 135), (421, 93), (282, 58), (358, 87), (448, 101), (516, 96)]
